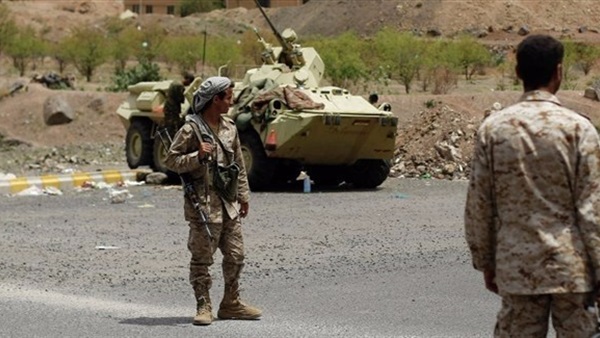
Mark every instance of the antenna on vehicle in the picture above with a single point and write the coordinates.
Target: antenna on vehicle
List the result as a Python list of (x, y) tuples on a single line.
[(203, 51)]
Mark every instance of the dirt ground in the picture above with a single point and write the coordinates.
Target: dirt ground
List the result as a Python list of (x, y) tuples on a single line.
[(96, 136)]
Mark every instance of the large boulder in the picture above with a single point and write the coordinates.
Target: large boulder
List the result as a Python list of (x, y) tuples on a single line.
[(57, 111)]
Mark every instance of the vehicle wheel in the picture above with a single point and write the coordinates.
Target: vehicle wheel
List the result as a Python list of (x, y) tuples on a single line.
[(368, 174), (259, 167), (326, 176), (138, 144), (286, 172), (159, 157)]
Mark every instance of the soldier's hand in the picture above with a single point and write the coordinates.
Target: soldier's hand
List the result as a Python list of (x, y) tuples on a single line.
[(244, 208), (204, 149), (489, 277)]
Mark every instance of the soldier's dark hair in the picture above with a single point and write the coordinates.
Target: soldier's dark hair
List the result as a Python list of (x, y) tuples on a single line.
[(188, 78), (373, 98), (537, 58)]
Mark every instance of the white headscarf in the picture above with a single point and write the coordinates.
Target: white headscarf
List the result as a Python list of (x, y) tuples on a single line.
[(208, 89)]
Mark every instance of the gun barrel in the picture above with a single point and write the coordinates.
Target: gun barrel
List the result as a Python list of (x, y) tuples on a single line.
[(280, 38)]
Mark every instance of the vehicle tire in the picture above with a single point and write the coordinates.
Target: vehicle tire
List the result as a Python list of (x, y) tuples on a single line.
[(159, 157), (138, 144), (368, 174), (326, 176), (259, 168)]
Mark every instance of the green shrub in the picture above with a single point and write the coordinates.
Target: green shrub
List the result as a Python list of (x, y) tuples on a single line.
[(144, 71), (431, 103), (188, 7)]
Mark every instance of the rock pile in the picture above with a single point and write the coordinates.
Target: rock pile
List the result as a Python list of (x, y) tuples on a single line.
[(438, 143)]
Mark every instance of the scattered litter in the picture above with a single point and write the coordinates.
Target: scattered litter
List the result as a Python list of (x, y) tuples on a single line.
[(7, 176), (53, 191), (37, 191), (87, 185), (104, 185), (305, 181), (31, 191), (106, 247), (399, 195), (146, 205), (118, 196), (132, 183)]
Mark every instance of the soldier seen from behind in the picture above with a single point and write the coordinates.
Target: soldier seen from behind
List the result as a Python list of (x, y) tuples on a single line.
[(532, 217), (207, 148)]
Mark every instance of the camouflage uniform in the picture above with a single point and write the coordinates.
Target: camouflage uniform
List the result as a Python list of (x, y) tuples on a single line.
[(223, 217), (532, 215)]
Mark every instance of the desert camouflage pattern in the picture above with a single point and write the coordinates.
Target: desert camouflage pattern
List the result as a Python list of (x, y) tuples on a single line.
[(533, 203), (227, 237), (573, 315), (224, 223), (183, 157)]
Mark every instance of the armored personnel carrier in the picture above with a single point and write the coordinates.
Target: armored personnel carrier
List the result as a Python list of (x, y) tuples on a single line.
[(150, 107), (287, 121)]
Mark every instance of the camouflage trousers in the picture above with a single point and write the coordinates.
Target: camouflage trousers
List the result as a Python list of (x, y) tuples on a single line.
[(573, 315), (227, 237)]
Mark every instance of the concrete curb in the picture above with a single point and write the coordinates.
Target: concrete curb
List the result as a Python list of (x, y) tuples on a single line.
[(65, 181)]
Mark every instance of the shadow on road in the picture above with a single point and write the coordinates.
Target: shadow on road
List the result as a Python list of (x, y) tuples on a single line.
[(297, 187), (160, 321)]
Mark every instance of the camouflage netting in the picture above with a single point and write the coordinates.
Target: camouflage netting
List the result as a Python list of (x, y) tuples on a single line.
[(438, 143)]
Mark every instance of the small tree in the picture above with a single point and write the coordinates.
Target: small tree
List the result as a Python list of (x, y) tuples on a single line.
[(569, 60), (222, 51), (23, 48), (8, 28), (430, 62), (122, 42), (184, 51), (148, 42), (402, 53), (87, 49), (469, 55), (587, 56), (344, 65), (442, 67), (59, 53)]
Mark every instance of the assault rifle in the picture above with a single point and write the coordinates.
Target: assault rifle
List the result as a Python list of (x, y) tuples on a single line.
[(186, 182)]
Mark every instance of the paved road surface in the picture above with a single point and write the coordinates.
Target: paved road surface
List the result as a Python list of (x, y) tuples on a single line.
[(391, 262)]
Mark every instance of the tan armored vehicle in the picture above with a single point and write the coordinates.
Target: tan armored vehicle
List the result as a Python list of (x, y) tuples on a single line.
[(287, 122), (149, 107)]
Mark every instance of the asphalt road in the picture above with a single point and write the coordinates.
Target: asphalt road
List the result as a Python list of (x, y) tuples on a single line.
[(390, 262)]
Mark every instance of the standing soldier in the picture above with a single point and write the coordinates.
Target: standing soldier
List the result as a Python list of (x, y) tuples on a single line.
[(208, 143), (532, 217)]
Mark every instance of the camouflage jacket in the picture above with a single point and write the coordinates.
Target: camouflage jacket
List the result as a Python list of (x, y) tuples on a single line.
[(533, 203), (183, 158)]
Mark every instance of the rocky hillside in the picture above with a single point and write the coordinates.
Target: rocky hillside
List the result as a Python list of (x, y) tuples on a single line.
[(497, 21)]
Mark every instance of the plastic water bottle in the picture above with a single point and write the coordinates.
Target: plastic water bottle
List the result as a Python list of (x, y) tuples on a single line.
[(306, 183)]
